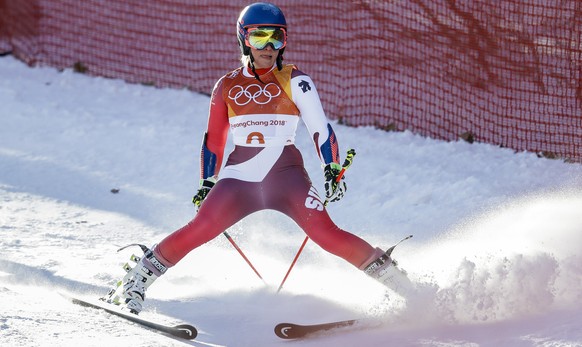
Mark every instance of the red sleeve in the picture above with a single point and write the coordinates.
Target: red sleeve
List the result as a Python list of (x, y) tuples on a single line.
[(217, 129)]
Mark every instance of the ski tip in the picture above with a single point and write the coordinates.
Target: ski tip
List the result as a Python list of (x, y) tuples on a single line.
[(187, 331), (295, 331), (285, 330)]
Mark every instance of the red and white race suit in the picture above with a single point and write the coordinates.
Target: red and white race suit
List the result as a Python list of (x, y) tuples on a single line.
[(265, 170)]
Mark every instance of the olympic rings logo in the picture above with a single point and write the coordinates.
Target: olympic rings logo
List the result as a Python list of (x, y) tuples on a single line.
[(254, 92)]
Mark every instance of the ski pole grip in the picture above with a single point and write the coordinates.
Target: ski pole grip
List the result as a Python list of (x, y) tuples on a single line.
[(347, 163)]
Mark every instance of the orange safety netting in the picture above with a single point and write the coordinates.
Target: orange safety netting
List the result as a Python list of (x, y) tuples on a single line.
[(505, 72)]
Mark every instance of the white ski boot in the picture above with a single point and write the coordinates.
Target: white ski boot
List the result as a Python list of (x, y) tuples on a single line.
[(385, 270), (129, 292)]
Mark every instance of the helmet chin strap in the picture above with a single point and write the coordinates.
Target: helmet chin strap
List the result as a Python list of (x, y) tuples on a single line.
[(279, 64), (253, 68), (280, 61)]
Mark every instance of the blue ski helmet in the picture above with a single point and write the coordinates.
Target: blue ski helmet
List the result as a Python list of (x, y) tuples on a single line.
[(255, 15)]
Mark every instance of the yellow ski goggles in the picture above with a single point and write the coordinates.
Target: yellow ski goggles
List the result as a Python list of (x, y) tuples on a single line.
[(260, 37)]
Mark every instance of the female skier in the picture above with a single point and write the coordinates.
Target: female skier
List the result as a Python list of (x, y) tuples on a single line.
[(261, 103)]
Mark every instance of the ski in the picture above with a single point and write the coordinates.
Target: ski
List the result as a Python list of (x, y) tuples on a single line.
[(183, 331), (297, 331)]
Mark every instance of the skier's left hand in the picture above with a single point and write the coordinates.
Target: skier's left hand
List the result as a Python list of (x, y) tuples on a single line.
[(205, 186), (334, 190)]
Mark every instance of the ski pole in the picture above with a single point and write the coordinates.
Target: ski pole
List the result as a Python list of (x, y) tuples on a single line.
[(242, 254), (347, 163), (293, 263), (225, 233)]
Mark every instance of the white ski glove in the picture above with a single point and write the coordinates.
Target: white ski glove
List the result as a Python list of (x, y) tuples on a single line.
[(335, 186)]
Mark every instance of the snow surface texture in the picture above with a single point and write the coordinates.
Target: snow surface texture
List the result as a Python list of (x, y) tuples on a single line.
[(90, 164)]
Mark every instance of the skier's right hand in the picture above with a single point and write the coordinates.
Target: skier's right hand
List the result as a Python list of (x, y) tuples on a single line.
[(205, 186)]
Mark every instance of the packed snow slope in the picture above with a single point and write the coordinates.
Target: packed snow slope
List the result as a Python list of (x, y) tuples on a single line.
[(88, 165)]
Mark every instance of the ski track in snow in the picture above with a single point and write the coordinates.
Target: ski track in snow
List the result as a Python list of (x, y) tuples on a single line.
[(496, 247)]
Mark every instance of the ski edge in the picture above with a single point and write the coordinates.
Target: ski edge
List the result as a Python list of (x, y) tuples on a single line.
[(183, 331)]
